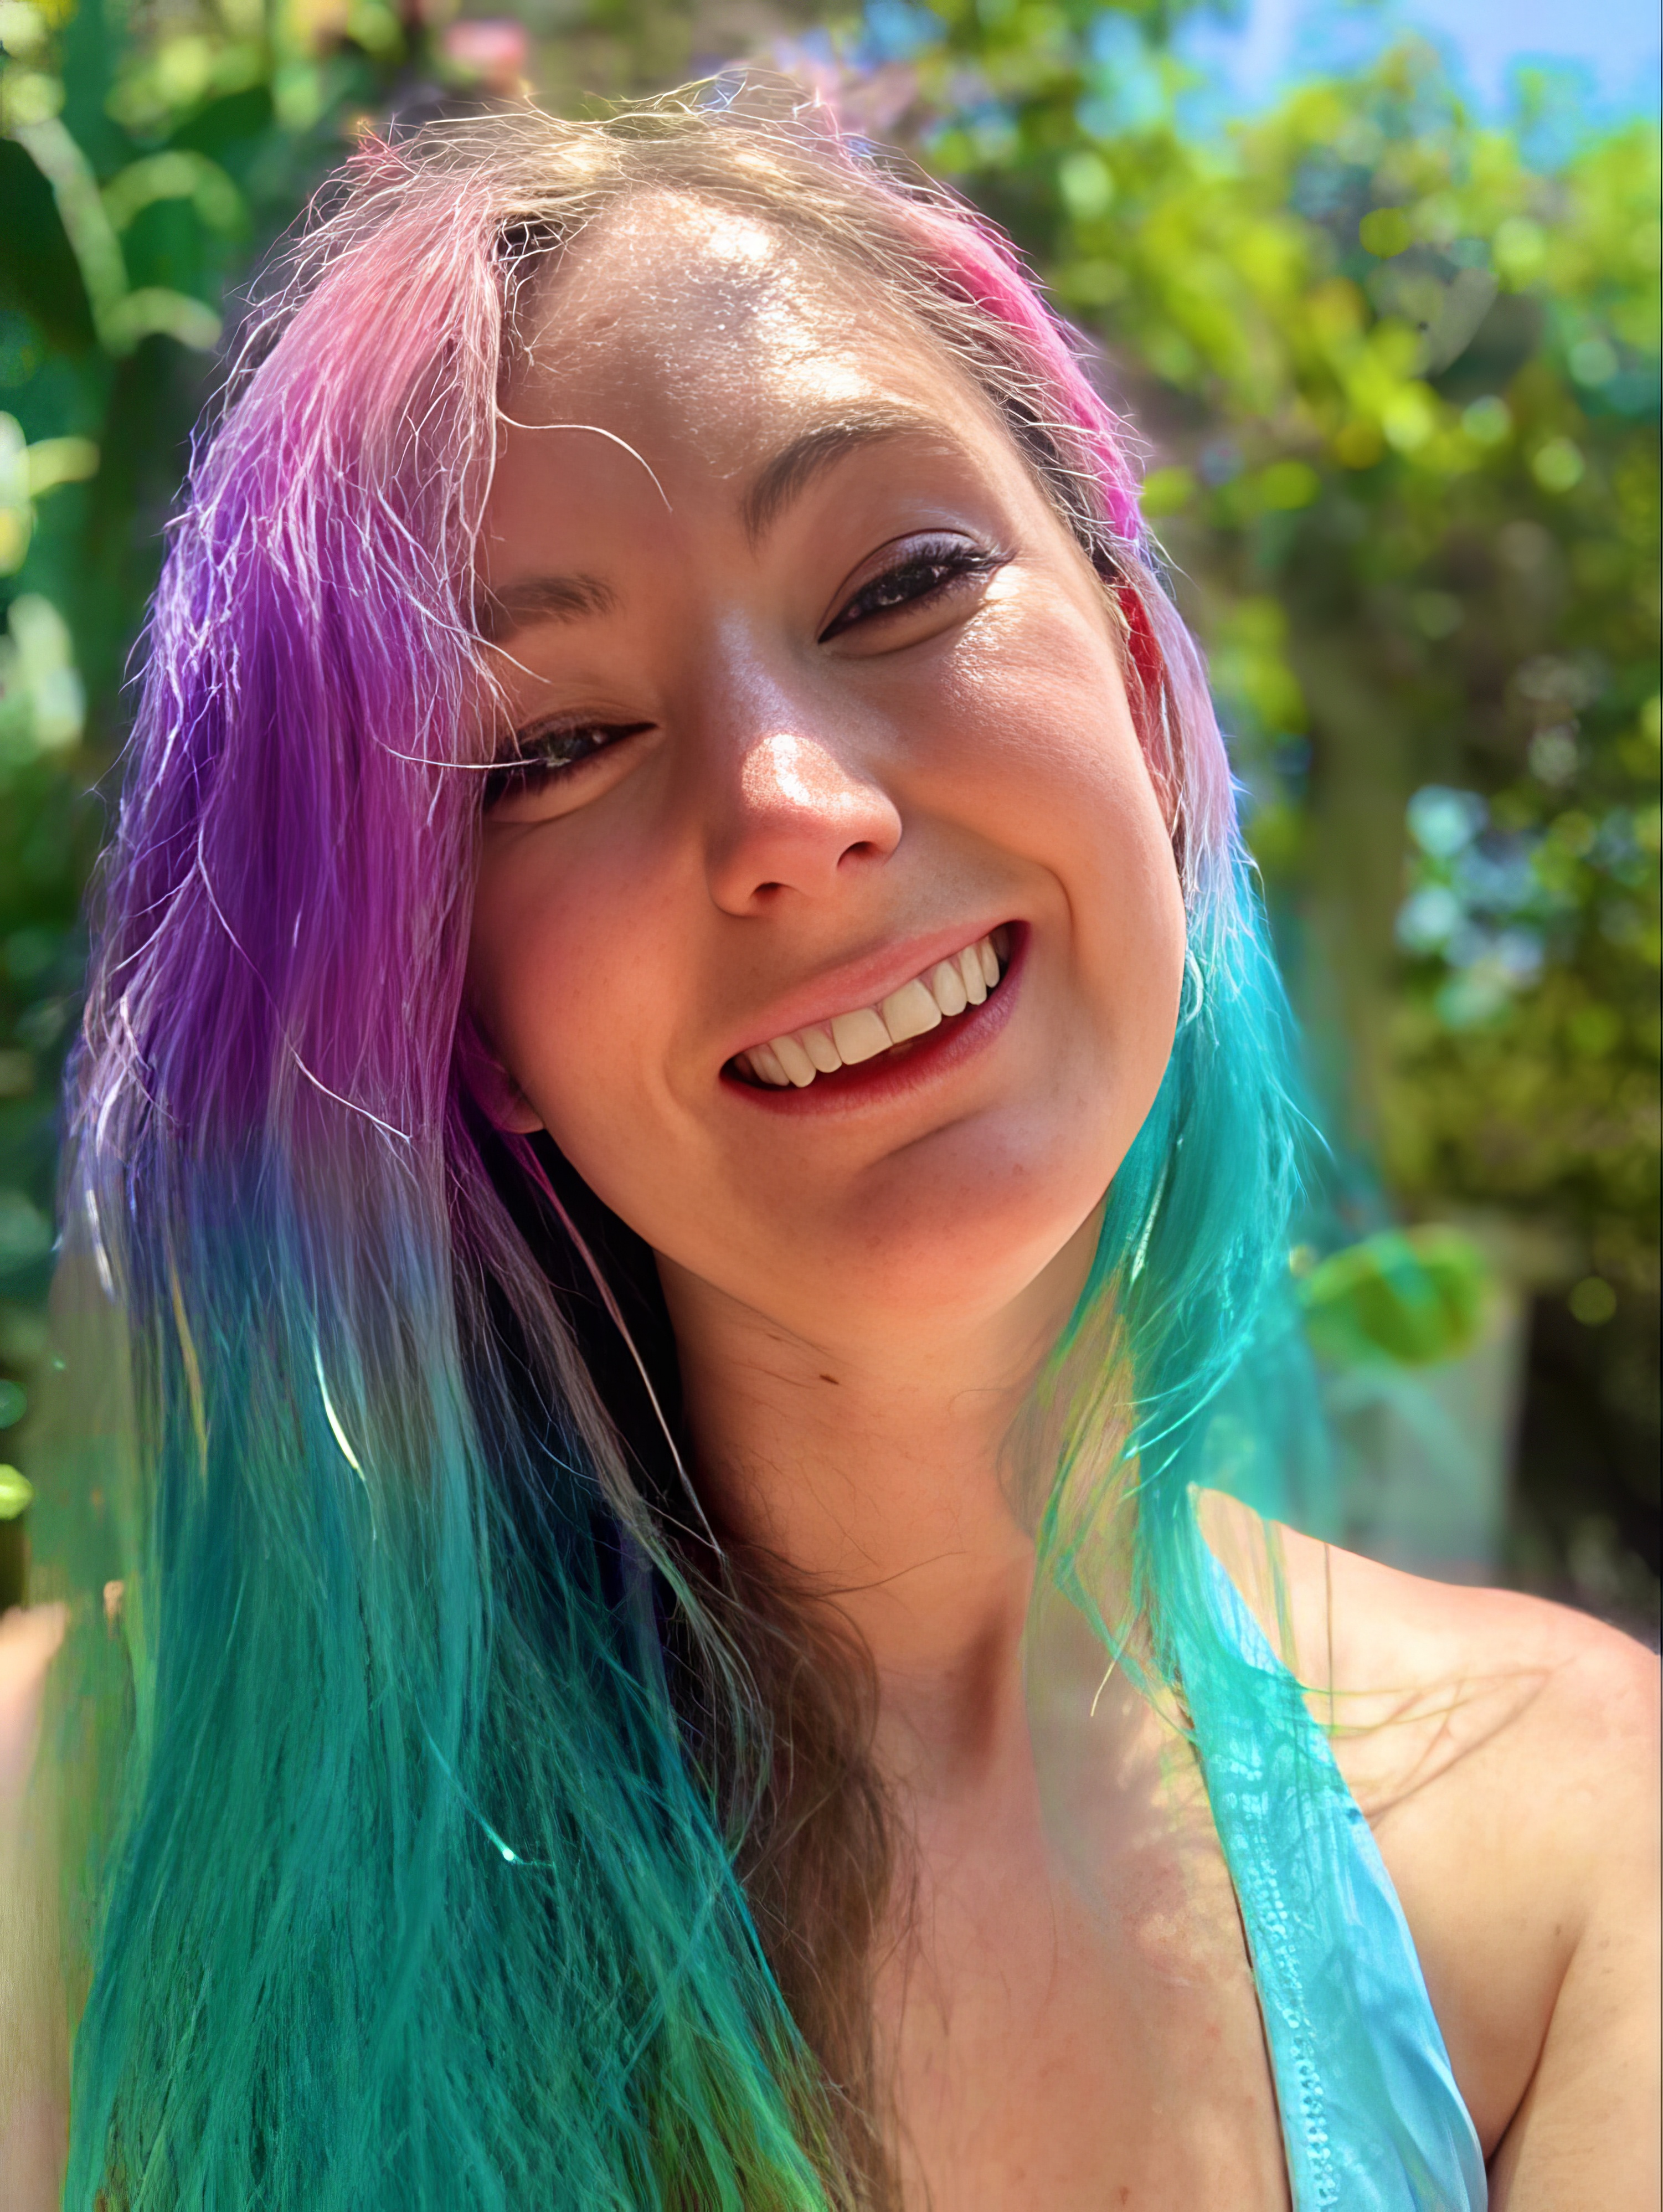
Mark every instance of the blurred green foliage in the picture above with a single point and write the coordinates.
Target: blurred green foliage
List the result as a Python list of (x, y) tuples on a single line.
[(1413, 1296), (1398, 372)]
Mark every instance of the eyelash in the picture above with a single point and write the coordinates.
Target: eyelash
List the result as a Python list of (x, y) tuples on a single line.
[(531, 771), (941, 563), (933, 567)]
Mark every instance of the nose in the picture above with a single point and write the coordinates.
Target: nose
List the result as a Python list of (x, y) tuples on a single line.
[(794, 817)]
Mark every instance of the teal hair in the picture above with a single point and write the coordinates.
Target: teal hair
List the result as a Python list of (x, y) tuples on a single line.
[(1184, 1357), (422, 1761)]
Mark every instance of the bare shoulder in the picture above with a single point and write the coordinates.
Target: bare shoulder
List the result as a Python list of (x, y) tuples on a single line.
[(28, 1639), (33, 2114), (1506, 1752), (1419, 1679)]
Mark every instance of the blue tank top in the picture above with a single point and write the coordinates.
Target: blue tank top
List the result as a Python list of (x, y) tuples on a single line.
[(1371, 2117)]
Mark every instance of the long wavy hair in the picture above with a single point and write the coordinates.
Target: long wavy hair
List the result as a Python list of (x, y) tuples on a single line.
[(458, 1819)]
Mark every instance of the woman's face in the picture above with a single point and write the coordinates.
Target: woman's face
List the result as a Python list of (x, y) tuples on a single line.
[(814, 694)]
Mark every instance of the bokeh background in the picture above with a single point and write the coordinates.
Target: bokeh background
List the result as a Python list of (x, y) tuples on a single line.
[(1380, 288)]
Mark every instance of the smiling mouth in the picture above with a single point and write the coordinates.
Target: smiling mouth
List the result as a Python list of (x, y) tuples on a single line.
[(943, 995)]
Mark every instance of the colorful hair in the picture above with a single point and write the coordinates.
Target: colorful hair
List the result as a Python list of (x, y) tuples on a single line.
[(430, 1859)]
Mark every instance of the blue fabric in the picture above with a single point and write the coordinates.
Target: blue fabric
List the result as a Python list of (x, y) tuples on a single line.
[(1371, 2116)]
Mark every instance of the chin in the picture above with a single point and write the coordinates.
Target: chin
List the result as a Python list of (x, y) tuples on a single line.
[(956, 1225)]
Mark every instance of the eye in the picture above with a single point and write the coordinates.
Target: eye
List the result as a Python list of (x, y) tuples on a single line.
[(546, 754), (919, 573)]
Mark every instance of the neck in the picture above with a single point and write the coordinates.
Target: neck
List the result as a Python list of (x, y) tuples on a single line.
[(875, 1468)]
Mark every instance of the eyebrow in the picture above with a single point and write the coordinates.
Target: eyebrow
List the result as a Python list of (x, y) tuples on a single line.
[(788, 474), (497, 615)]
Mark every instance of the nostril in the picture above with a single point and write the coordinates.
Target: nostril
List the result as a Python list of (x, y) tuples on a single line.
[(798, 813)]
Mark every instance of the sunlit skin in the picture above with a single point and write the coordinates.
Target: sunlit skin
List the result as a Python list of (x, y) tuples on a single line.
[(785, 799)]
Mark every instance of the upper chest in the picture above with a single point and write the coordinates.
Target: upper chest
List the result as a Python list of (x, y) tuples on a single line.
[(1071, 2021)]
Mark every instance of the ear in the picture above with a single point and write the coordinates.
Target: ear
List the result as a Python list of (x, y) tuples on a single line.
[(505, 1103), (511, 1110), (1144, 651), (1146, 674)]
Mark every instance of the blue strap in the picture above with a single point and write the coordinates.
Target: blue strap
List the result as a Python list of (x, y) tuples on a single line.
[(1371, 2116)]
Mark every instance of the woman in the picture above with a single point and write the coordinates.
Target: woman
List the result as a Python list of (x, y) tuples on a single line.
[(683, 1112)]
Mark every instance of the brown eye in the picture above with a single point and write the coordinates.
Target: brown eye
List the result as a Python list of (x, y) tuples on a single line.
[(929, 569), (542, 756)]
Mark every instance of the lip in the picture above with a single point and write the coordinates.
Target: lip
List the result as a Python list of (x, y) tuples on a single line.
[(892, 1075), (864, 982)]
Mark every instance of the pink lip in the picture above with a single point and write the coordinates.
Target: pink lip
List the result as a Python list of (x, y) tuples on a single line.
[(892, 1075), (862, 983)]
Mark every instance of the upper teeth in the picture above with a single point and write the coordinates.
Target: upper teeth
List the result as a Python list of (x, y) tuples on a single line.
[(846, 1039)]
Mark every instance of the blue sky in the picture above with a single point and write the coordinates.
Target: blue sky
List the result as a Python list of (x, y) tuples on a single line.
[(1612, 45)]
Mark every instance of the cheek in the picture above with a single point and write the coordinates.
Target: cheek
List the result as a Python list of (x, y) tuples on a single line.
[(1044, 751), (1035, 708), (571, 971)]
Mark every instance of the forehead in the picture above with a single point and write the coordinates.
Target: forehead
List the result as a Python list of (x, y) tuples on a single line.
[(704, 326)]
